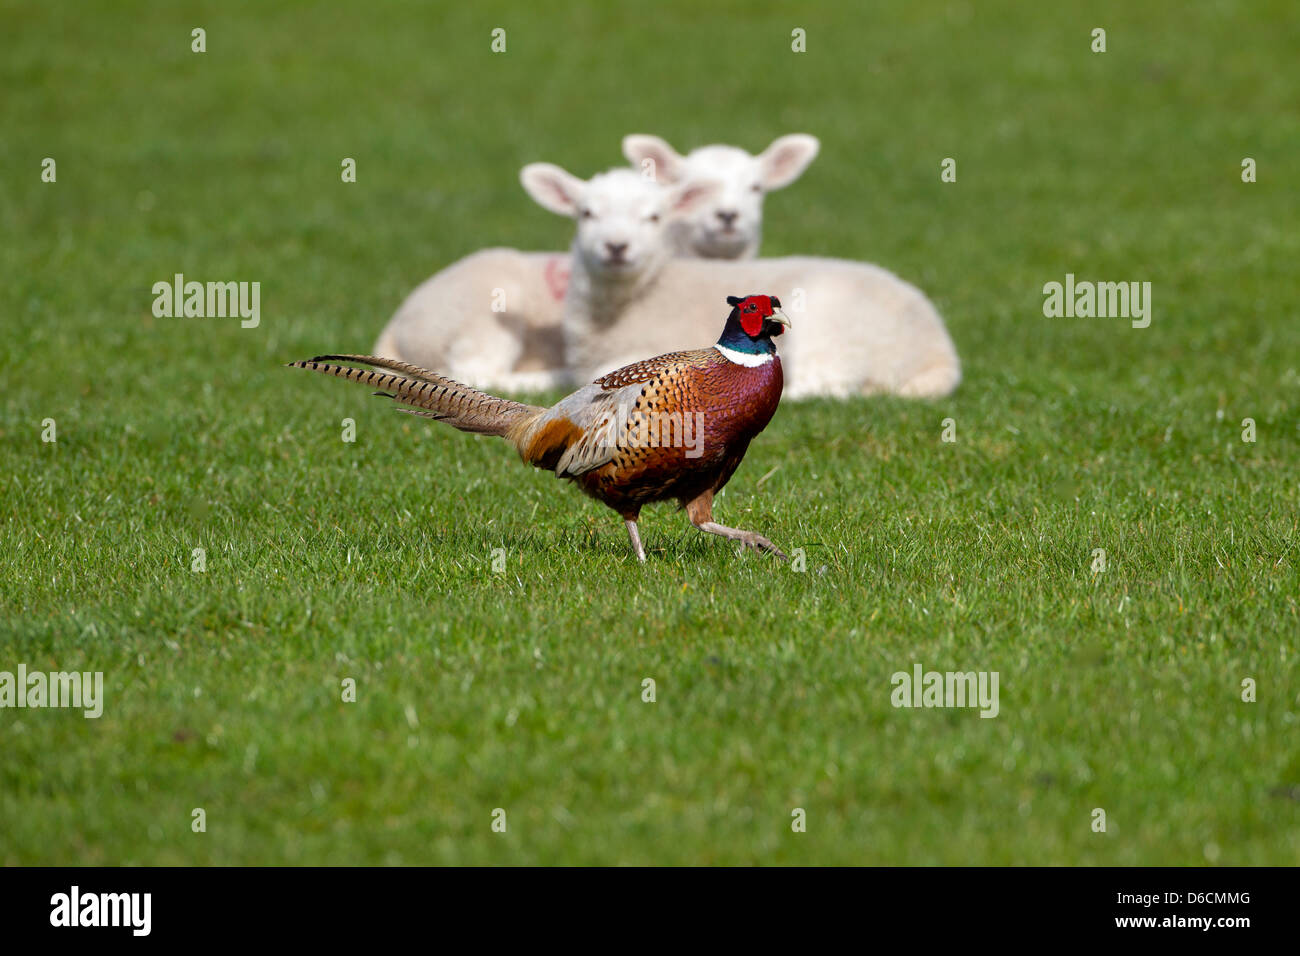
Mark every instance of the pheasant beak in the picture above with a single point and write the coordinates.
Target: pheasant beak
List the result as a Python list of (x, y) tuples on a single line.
[(780, 318)]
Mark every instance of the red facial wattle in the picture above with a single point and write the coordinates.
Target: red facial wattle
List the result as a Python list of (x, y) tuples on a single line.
[(753, 310)]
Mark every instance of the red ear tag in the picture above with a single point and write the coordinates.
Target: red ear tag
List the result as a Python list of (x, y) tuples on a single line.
[(751, 322)]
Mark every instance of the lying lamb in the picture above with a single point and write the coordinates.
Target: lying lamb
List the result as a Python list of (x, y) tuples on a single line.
[(493, 319), (858, 329)]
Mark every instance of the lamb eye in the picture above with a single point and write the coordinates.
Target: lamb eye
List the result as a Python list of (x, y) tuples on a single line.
[(757, 187), (654, 217), (587, 214)]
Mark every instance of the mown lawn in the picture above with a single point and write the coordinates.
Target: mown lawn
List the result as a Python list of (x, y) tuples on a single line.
[(522, 690)]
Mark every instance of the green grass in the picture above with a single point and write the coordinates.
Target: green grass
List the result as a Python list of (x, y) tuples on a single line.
[(522, 689)]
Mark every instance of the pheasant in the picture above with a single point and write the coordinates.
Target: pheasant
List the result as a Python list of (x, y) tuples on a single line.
[(671, 427)]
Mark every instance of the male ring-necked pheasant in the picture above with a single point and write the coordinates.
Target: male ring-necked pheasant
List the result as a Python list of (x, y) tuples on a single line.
[(609, 436)]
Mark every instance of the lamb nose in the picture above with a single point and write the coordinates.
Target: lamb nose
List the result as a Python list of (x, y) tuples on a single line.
[(727, 217), (616, 248)]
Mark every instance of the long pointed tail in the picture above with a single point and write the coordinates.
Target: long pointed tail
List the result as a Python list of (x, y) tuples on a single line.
[(425, 393)]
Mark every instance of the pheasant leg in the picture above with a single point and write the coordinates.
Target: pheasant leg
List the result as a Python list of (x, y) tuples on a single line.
[(749, 539), (700, 511), (635, 538)]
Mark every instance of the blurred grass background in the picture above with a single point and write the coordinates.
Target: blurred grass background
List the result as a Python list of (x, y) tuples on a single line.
[(477, 690)]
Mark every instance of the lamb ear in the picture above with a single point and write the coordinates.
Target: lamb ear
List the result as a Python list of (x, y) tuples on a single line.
[(785, 160), (686, 197), (642, 150), (552, 187)]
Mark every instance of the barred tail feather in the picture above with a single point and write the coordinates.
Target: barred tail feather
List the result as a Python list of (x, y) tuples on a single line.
[(428, 394)]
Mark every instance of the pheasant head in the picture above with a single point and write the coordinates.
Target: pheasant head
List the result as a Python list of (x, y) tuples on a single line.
[(754, 321)]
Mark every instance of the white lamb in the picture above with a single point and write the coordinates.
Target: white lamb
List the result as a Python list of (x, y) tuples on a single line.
[(730, 226), (493, 319), (858, 329)]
